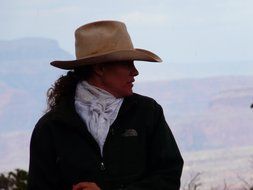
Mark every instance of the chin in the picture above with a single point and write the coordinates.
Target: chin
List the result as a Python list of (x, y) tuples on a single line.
[(129, 93), (125, 94)]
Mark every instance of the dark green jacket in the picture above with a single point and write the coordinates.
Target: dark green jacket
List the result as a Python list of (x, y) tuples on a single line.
[(139, 153)]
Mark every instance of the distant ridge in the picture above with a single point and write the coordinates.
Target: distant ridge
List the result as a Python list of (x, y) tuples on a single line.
[(206, 113), (31, 49)]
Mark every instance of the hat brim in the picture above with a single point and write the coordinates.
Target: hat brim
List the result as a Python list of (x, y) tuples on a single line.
[(114, 56)]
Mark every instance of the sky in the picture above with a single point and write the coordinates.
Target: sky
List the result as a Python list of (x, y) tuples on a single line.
[(193, 37)]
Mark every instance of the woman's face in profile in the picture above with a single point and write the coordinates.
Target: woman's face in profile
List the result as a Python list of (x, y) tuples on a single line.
[(118, 78)]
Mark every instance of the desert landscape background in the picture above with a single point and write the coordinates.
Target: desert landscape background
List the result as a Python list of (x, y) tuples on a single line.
[(210, 117)]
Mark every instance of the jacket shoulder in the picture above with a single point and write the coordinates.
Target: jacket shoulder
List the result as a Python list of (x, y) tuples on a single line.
[(44, 123), (46, 118), (145, 100)]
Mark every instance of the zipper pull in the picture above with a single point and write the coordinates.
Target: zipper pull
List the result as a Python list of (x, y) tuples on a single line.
[(102, 166)]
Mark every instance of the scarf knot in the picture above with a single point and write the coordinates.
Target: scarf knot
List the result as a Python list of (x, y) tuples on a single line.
[(98, 109)]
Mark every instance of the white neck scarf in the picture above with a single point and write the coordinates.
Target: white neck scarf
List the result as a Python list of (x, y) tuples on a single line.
[(98, 109)]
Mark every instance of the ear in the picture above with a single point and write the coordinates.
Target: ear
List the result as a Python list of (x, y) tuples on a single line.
[(98, 69)]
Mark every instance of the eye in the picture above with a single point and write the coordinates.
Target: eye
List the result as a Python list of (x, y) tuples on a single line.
[(128, 64), (123, 64)]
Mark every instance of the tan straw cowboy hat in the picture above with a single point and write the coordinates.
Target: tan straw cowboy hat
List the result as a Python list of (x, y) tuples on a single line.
[(104, 41)]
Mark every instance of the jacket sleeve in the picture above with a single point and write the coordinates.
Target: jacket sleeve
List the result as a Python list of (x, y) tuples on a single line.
[(42, 167), (165, 163)]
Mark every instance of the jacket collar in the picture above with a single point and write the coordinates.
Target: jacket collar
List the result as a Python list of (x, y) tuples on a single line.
[(66, 110)]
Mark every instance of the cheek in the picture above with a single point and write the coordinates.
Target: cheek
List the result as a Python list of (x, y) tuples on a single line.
[(114, 82), (120, 78), (121, 82)]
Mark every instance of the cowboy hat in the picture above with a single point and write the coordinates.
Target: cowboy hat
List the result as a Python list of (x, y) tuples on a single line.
[(104, 41)]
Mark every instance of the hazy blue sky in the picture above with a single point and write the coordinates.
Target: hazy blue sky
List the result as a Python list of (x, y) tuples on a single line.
[(187, 34)]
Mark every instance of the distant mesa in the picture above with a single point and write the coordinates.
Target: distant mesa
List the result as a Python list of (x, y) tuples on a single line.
[(241, 97), (31, 49)]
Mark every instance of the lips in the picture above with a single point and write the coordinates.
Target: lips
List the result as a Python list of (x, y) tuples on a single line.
[(131, 81)]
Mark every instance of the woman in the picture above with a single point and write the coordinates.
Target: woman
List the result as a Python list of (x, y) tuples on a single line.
[(97, 133)]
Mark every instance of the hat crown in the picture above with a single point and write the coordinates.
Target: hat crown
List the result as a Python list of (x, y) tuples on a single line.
[(103, 42), (101, 37)]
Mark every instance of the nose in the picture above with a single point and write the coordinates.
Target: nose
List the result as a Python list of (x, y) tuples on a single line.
[(134, 72)]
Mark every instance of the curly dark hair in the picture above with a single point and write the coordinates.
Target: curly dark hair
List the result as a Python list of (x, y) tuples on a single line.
[(64, 88)]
